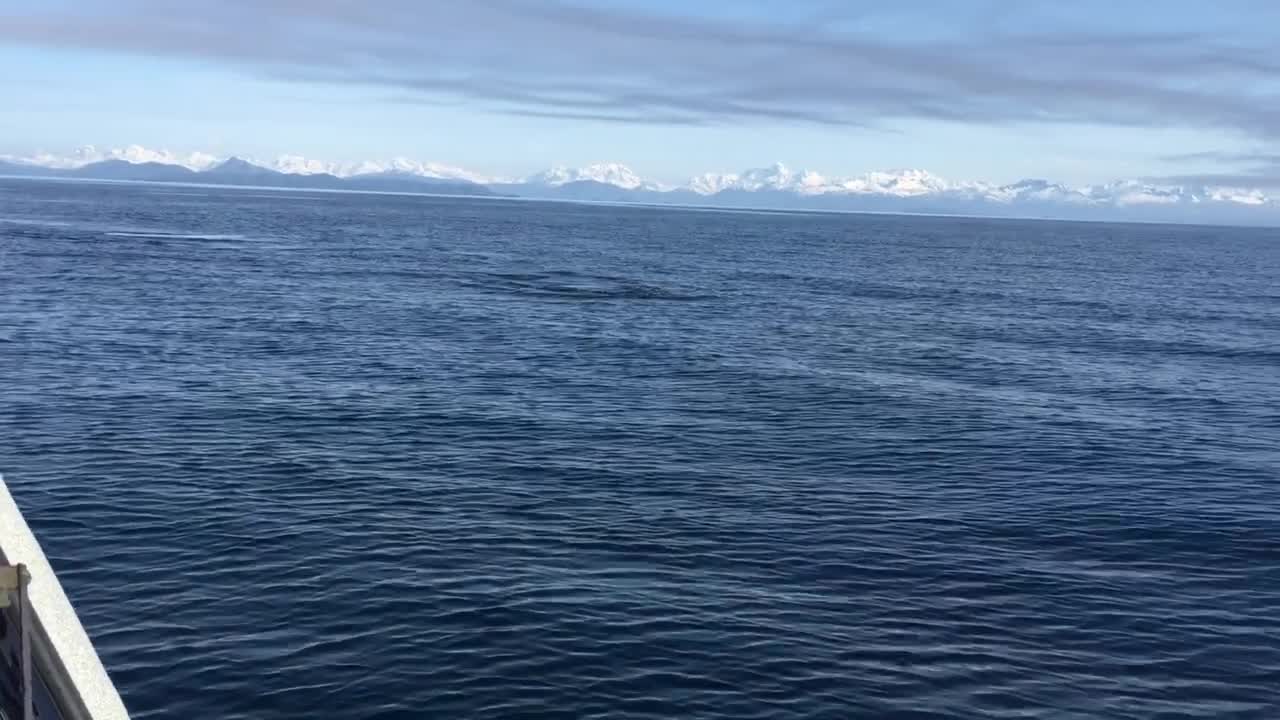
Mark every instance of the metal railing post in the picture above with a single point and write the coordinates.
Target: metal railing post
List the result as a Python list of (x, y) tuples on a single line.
[(24, 613)]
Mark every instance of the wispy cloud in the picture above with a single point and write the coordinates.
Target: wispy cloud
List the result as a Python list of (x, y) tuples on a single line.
[(547, 58), (1234, 168), (1254, 158), (1258, 180)]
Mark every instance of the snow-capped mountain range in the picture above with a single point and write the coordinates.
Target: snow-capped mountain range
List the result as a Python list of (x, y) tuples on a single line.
[(779, 178), (772, 186)]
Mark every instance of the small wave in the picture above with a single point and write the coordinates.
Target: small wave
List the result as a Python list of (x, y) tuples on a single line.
[(625, 291), (281, 196), (158, 235), (37, 223)]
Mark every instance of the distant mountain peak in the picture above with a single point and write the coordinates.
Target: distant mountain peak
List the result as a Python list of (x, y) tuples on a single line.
[(239, 165), (110, 162)]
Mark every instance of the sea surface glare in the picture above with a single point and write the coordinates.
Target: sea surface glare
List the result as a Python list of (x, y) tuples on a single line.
[(316, 455)]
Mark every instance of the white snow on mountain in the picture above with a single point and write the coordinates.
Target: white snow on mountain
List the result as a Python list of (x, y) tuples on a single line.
[(87, 154), (300, 165), (896, 183), (777, 178), (711, 183), (614, 174), (1239, 196), (1135, 193), (1031, 191), (406, 166)]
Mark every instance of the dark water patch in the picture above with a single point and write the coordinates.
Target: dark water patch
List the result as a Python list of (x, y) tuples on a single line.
[(569, 285)]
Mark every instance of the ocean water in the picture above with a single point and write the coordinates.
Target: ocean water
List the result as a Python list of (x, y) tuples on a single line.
[(300, 455)]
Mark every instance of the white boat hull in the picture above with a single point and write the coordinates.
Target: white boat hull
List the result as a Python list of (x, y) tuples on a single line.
[(67, 680)]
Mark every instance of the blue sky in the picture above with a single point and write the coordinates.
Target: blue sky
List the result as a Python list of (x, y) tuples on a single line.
[(1078, 92)]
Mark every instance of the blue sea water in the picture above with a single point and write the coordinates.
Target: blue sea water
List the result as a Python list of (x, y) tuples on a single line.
[(301, 455)]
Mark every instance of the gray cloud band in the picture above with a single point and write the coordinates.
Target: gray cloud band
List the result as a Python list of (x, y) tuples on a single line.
[(551, 59)]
